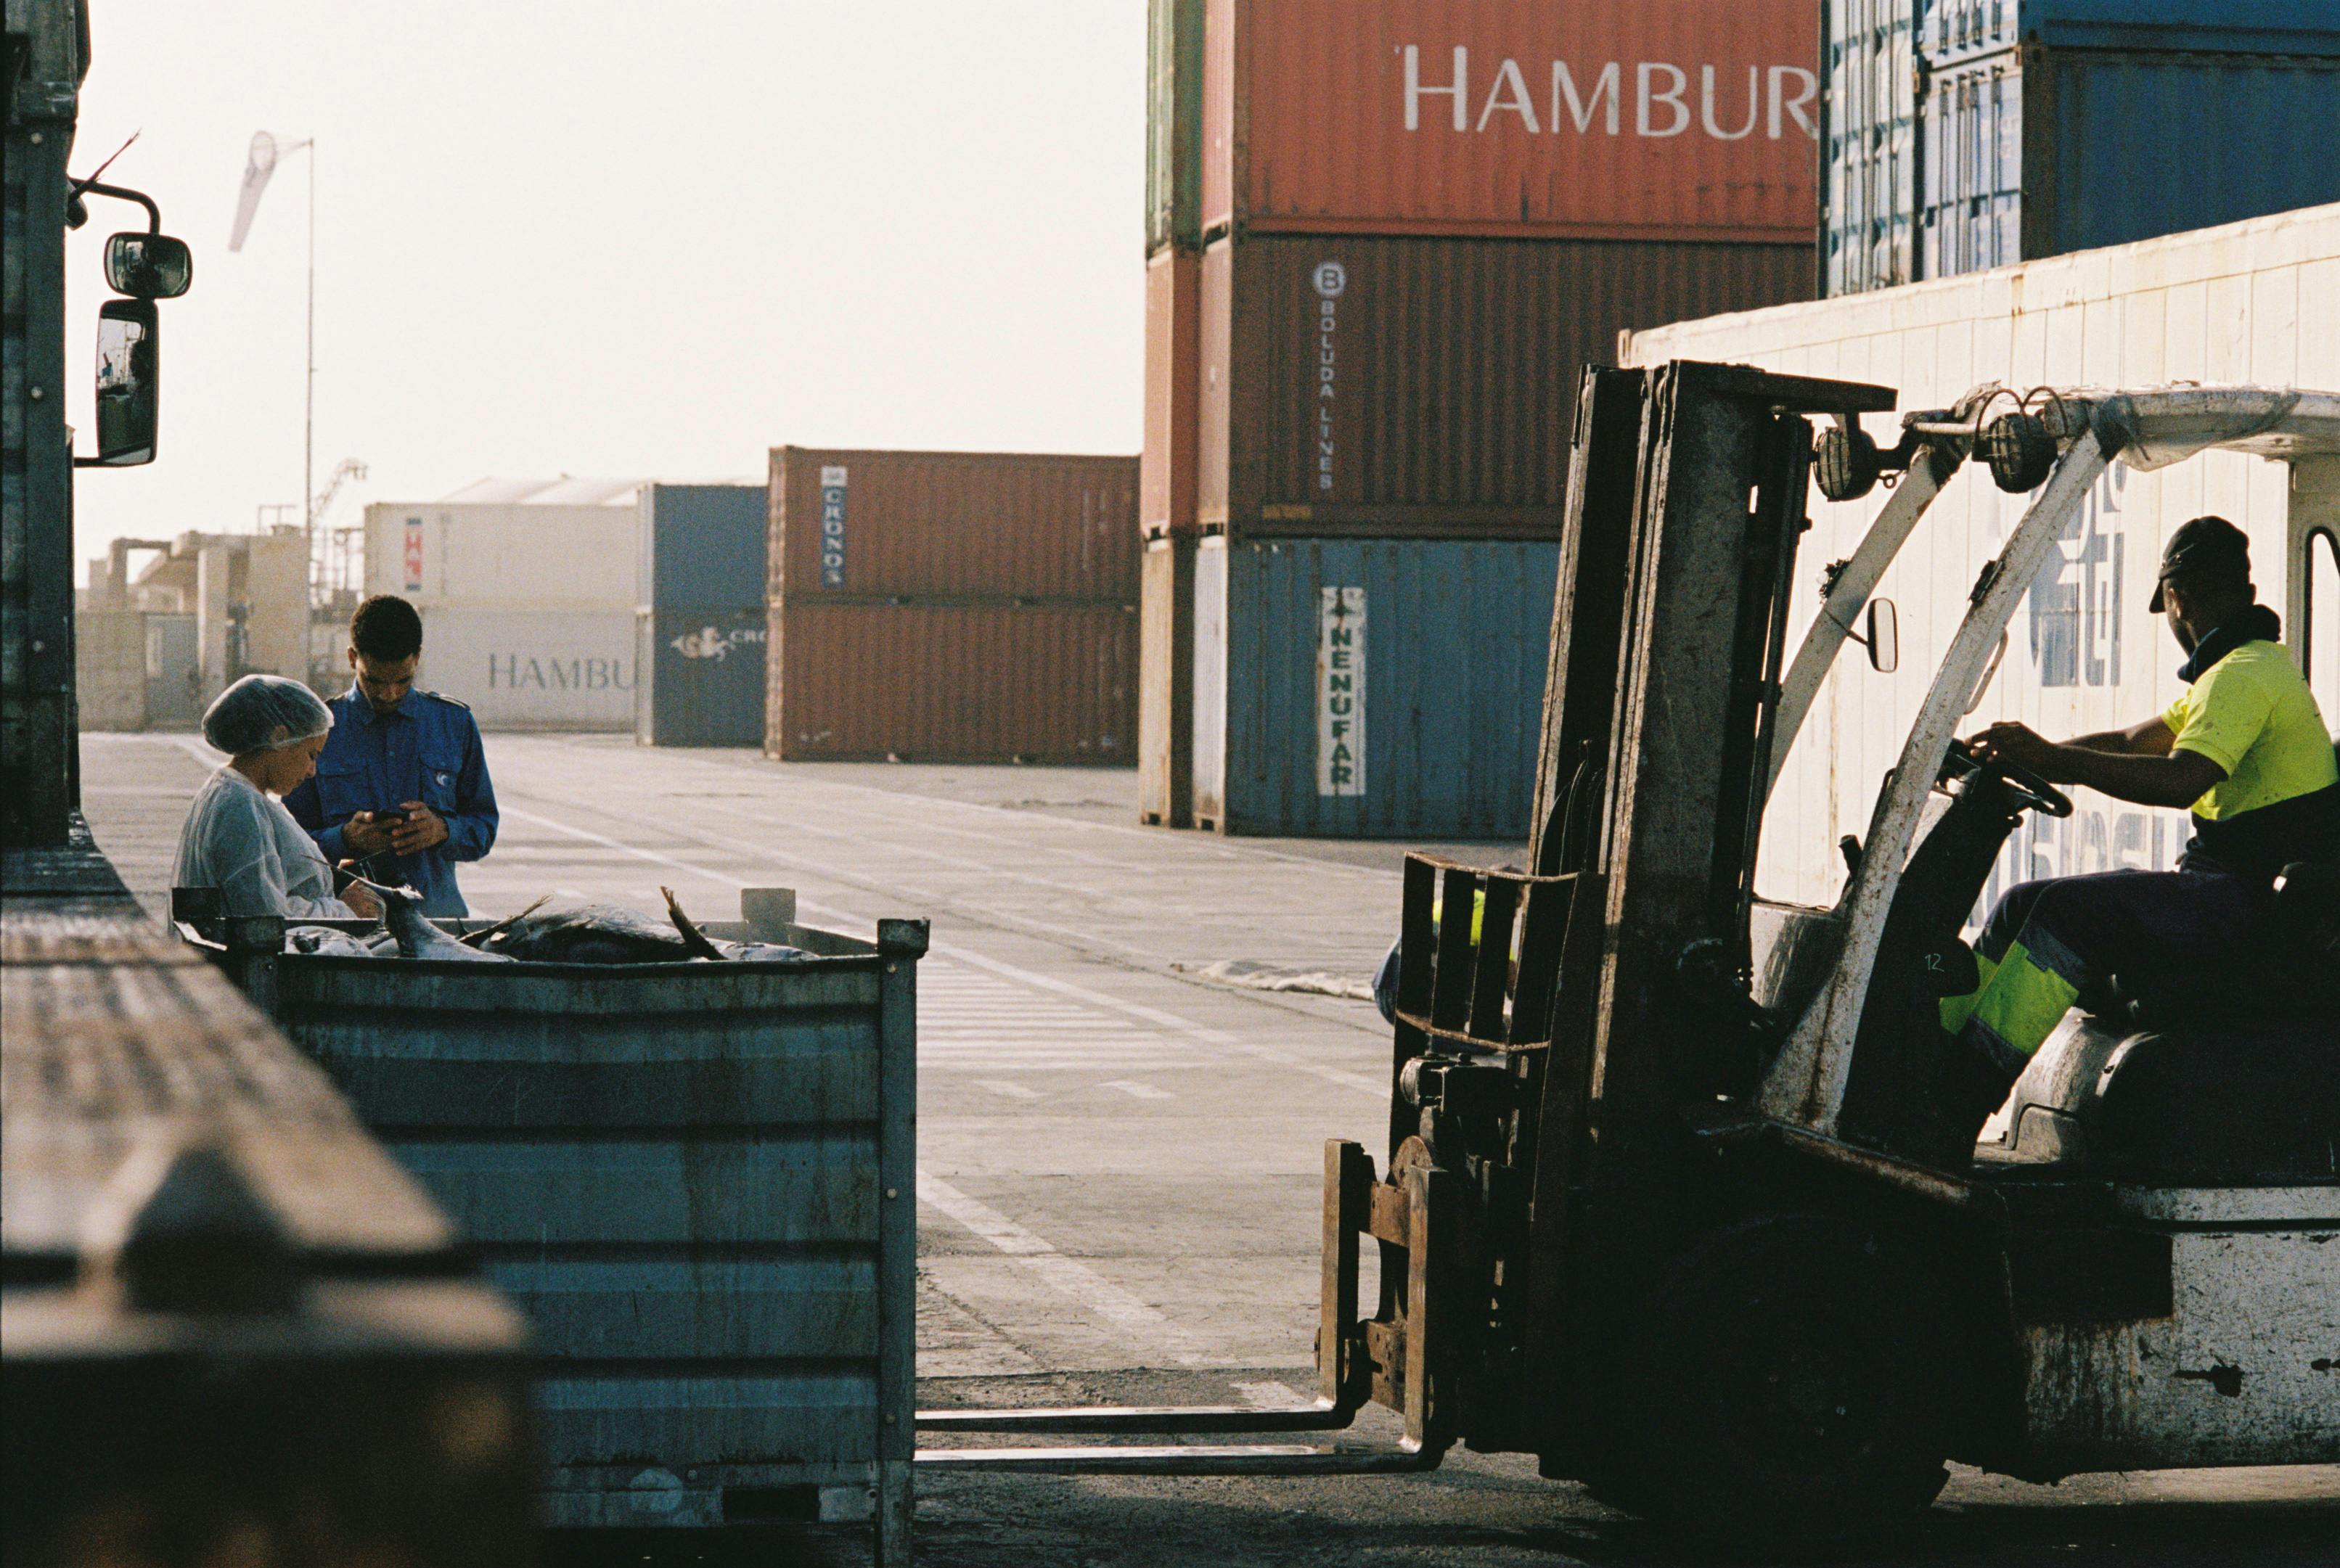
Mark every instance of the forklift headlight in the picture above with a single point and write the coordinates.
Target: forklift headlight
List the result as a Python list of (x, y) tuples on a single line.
[(2019, 450), (1846, 463)]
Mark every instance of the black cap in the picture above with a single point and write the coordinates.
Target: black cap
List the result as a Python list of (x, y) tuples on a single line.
[(2204, 547)]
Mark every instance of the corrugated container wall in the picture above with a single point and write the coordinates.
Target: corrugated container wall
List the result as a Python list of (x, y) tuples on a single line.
[(524, 556), (1426, 387), (953, 682), (2252, 302), (1662, 119), (863, 526), (1381, 689), (699, 650), (1868, 144), (704, 544), (1960, 134), (1165, 688), (2037, 152), (699, 678), (952, 606), (532, 669), (1166, 467), (1174, 124)]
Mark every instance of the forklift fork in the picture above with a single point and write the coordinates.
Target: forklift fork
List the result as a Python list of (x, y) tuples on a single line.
[(1391, 1358)]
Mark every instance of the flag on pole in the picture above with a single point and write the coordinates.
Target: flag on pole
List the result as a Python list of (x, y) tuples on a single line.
[(257, 167)]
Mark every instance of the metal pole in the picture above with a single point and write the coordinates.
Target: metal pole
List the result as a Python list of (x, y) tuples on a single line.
[(309, 430)]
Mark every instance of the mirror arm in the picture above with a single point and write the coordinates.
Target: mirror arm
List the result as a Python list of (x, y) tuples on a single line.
[(121, 193)]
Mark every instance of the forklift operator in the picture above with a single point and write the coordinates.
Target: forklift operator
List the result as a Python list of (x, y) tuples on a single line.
[(2245, 746)]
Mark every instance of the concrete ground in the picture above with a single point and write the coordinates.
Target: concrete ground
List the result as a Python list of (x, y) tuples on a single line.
[(1118, 1159)]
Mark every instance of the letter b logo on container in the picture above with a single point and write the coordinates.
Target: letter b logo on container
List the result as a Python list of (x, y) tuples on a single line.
[(832, 526)]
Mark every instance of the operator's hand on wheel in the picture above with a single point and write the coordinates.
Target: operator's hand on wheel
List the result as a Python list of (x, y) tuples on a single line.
[(2010, 742), (365, 833), (422, 829)]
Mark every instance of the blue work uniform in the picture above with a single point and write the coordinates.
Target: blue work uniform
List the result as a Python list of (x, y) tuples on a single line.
[(427, 748)]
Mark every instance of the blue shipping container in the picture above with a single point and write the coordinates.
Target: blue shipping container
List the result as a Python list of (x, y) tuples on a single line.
[(1963, 134), (1381, 688), (700, 674), (704, 544), (1868, 130), (699, 644)]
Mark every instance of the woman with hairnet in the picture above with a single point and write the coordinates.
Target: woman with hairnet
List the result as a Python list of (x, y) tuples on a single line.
[(238, 837)]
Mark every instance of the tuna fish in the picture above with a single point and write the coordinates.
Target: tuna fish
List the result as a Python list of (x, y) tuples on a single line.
[(593, 933), (324, 942), (402, 911)]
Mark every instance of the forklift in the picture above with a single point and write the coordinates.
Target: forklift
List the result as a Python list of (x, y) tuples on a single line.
[(1669, 1198)]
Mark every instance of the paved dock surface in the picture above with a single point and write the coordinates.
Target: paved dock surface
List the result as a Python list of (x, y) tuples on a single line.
[(1118, 1159)]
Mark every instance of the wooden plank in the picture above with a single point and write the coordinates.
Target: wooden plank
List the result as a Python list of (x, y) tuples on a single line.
[(1417, 963), (1541, 929), (1490, 982), (1450, 1001)]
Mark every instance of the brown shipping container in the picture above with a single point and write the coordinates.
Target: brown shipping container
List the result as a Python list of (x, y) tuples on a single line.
[(953, 682), (1657, 119), (1173, 346), (867, 527), (1425, 386)]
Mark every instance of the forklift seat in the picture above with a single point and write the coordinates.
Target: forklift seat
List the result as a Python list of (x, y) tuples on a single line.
[(2247, 1101)]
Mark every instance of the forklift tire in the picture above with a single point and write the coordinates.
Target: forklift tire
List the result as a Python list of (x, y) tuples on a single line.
[(1792, 1391)]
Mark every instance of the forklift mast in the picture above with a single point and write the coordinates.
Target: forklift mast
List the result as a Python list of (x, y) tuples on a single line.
[(1546, 1047)]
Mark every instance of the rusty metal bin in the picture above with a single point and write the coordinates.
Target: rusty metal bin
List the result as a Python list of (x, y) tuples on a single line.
[(697, 1180)]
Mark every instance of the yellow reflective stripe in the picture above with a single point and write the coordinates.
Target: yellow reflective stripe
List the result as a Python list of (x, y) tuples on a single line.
[(1956, 1009), (1478, 918), (2023, 1003)]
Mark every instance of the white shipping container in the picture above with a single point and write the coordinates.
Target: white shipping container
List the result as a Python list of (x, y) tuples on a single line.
[(532, 669), (2253, 302), (531, 554)]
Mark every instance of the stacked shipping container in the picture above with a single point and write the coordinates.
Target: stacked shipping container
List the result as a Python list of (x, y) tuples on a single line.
[(1382, 241), (1963, 134), (528, 591), (699, 660), (952, 606)]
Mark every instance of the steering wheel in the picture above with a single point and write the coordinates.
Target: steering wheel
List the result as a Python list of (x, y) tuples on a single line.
[(2028, 787)]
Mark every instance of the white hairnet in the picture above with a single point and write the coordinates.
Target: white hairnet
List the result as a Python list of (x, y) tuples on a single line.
[(263, 713)]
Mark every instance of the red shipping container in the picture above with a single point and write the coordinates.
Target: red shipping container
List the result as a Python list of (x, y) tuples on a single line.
[(1426, 387), (1166, 470), (1654, 119), (953, 682), (851, 526)]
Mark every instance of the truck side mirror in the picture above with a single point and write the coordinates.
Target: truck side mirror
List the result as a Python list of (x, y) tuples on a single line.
[(1884, 638), (129, 382), (149, 266)]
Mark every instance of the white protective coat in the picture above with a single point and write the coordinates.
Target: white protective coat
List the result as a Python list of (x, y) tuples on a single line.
[(242, 841)]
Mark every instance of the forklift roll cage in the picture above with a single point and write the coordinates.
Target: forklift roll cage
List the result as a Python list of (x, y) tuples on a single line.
[(1623, 1048)]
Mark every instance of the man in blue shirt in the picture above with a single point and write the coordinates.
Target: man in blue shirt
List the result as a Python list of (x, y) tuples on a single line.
[(401, 785)]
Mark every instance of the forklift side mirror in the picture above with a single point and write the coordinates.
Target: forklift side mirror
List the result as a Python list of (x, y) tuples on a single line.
[(149, 266), (129, 382), (1884, 638)]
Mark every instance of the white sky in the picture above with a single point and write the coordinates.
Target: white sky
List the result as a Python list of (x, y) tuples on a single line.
[(594, 239)]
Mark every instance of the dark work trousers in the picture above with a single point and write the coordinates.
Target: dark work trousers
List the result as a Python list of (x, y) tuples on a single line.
[(2049, 941)]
